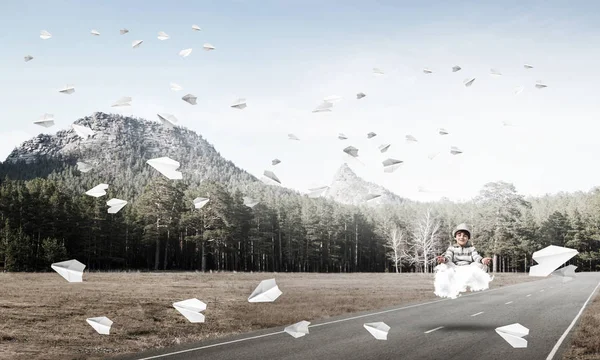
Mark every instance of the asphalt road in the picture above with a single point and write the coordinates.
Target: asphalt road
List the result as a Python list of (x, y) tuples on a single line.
[(465, 329)]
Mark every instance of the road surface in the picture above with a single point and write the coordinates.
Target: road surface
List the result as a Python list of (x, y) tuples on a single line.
[(463, 328)]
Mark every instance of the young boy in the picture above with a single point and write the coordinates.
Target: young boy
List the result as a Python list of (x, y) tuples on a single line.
[(463, 252)]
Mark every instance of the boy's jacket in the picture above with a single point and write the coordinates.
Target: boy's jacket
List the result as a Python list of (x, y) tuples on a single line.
[(462, 255)]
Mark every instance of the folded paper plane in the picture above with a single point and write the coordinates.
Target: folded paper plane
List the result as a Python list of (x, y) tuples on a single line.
[(28, 58), (495, 72), (83, 131), (97, 191), (325, 106), (275, 162), (455, 151), (360, 95), (47, 120), (175, 87), (518, 90), (352, 151), (208, 47), (163, 36), (239, 104), (123, 31), (411, 138), (45, 35), (69, 89), (377, 72), (124, 101), (371, 135), (196, 28), (342, 136), (167, 167), (549, 259), (95, 33), (540, 85), (527, 66), (189, 98), (513, 334), (384, 147), (266, 291), (271, 177), (293, 137), (71, 270), (250, 202), (442, 131), (427, 71), (390, 165), (84, 167), (370, 197), (456, 68), (167, 120), (378, 329), (199, 202), (100, 324), (469, 82), (115, 205), (136, 43), (297, 330), (191, 309), (185, 52)]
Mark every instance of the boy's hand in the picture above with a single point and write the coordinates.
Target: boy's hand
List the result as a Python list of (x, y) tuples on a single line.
[(441, 259), (486, 261)]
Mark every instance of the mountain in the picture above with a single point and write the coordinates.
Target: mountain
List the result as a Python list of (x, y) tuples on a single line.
[(349, 188)]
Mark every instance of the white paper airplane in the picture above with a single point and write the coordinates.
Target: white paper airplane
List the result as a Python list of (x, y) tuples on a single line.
[(518, 90), (360, 95), (196, 28), (514, 334), (175, 87), (95, 33), (97, 191), (168, 120), (124, 101), (190, 99), (377, 72), (410, 138), (427, 71), (199, 202), (115, 205), (442, 131), (136, 43), (390, 165), (298, 329), (191, 309), (325, 106), (28, 58), (469, 82), (455, 151), (266, 291), (270, 178), (84, 167), (456, 68), (351, 150), (44, 35), (540, 85), (208, 47), (495, 72), (83, 131), (185, 52), (100, 324), (71, 270), (384, 147), (293, 137), (69, 89), (162, 35), (46, 120), (167, 167), (123, 31), (250, 202), (549, 259), (527, 66), (371, 135), (239, 104), (342, 136), (378, 329)]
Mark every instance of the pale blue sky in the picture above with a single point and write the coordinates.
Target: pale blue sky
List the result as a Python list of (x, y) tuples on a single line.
[(284, 57)]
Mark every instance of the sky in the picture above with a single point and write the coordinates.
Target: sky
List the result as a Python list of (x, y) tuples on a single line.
[(285, 57)]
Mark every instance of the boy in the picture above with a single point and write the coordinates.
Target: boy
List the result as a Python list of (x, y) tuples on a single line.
[(463, 252)]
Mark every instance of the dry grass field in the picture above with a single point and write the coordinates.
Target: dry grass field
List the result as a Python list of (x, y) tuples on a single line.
[(586, 336), (43, 317)]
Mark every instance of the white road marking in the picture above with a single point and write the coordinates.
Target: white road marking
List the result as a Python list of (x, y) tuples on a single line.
[(432, 330), (316, 325), (564, 335), (510, 302), (479, 313)]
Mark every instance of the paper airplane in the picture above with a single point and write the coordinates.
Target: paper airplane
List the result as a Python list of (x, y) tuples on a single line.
[(84, 167), (83, 131), (115, 205), (199, 202), (495, 72), (123, 31), (208, 47), (196, 28), (71, 270), (250, 202), (360, 95), (163, 36), (442, 131), (44, 35), (352, 151), (97, 191), (378, 329), (293, 137), (175, 87), (28, 58), (167, 167), (549, 259), (390, 165), (69, 89), (46, 120), (185, 52), (95, 33), (271, 177), (190, 99), (371, 135), (266, 291), (527, 66), (432, 155), (518, 90), (377, 72), (124, 101), (456, 68), (514, 334), (427, 71), (191, 309), (455, 151), (168, 120), (567, 272), (275, 162), (342, 136), (297, 330), (317, 192), (540, 85), (136, 43), (370, 197), (100, 324), (384, 147), (411, 138), (469, 82), (239, 104), (324, 107)]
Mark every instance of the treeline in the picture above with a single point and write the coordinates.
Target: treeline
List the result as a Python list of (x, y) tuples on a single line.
[(45, 221)]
